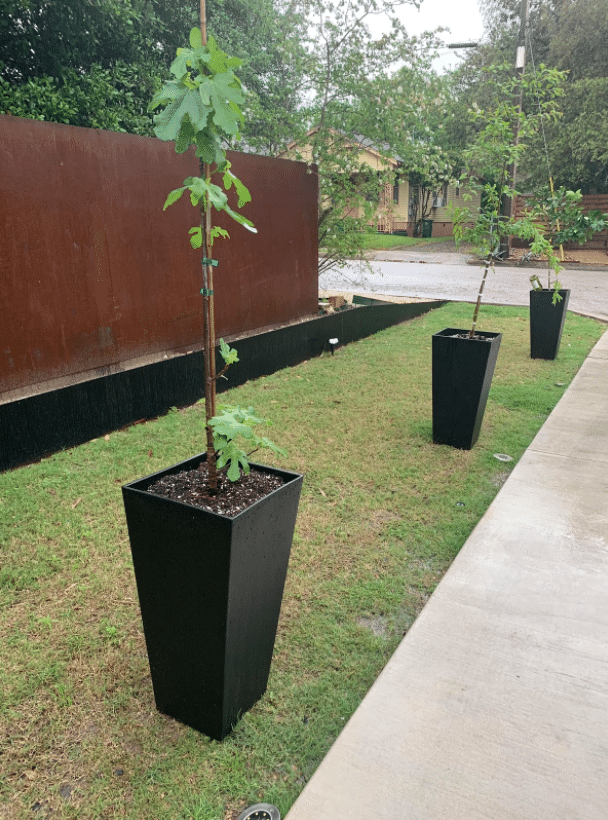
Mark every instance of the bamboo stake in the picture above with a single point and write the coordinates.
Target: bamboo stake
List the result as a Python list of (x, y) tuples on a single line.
[(208, 311), (561, 247), (203, 17)]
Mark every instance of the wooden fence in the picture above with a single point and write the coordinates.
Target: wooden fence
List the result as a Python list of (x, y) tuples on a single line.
[(590, 202)]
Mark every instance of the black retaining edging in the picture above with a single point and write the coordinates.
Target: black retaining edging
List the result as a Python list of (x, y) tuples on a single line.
[(36, 426)]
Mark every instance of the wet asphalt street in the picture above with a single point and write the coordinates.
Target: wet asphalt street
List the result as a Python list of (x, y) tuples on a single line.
[(449, 276)]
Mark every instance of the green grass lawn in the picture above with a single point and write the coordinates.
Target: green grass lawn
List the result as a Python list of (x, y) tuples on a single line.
[(382, 241), (383, 513)]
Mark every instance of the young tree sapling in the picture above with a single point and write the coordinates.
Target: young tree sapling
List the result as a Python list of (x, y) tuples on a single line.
[(201, 108), (490, 161)]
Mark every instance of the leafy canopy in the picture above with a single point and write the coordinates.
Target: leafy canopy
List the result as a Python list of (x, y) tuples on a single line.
[(201, 108)]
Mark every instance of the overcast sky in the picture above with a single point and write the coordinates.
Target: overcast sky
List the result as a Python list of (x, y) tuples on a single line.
[(462, 17)]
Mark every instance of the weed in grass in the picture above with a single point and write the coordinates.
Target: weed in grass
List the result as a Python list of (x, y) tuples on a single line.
[(383, 513)]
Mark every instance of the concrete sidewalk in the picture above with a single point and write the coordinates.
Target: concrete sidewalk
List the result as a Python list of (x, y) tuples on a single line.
[(495, 704)]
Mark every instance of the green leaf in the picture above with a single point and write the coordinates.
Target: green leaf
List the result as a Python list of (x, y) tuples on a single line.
[(232, 423), (233, 471), (228, 87), (246, 223), (217, 198), (204, 89), (224, 117), (198, 188), (196, 237), (208, 148), (170, 91), (188, 103), (219, 92), (167, 124), (196, 40), (179, 66), (216, 232), (229, 354), (185, 137), (173, 196), (241, 190)]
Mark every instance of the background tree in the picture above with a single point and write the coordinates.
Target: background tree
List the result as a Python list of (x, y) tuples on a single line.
[(87, 63), (489, 161), (349, 103), (96, 63), (570, 35), (414, 118)]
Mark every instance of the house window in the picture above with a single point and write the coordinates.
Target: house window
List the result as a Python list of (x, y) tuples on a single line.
[(440, 197), (396, 193)]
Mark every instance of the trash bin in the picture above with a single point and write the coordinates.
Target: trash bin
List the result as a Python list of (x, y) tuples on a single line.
[(427, 228)]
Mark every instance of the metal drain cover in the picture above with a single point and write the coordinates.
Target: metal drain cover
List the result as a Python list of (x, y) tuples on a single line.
[(261, 811)]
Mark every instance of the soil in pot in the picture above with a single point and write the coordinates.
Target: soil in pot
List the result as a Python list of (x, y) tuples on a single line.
[(192, 487)]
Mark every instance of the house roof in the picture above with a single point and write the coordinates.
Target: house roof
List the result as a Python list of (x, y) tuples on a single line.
[(358, 139)]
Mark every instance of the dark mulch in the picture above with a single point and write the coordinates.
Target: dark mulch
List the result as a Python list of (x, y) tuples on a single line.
[(192, 487)]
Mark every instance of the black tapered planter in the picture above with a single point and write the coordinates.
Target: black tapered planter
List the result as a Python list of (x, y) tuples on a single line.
[(546, 322), (210, 590), (462, 376)]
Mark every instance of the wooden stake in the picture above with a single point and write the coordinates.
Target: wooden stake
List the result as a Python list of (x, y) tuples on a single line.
[(208, 305), (203, 23), (561, 247)]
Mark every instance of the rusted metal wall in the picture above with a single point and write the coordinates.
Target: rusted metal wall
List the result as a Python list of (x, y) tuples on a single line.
[(93, 274), (58, 419)]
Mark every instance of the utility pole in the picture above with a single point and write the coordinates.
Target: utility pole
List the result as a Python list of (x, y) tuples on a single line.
[(508, 204)]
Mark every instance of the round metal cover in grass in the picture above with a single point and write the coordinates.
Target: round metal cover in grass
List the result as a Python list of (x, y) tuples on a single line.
[(261, 811), (503, 457)]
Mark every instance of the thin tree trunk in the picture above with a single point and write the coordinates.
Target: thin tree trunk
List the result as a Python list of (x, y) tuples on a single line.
[(478, 303)]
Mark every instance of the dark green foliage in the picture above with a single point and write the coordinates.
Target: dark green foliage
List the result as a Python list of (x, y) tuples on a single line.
[(92, 64), (562, 212), (97, 64), (570, 35)]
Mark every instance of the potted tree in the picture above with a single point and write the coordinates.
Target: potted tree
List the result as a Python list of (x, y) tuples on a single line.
[(464, 360), (210, 536), (560, 213)]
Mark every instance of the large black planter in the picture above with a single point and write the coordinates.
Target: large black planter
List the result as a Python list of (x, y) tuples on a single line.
[(210, 590), (462, 375), (546, 322)]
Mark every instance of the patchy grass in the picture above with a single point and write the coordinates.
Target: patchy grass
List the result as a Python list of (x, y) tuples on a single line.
[(383, 513)]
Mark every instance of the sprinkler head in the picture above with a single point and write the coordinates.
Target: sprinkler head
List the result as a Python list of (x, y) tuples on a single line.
[(261, 811)]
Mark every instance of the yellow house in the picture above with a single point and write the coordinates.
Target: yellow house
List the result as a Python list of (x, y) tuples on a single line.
[(396, 207)]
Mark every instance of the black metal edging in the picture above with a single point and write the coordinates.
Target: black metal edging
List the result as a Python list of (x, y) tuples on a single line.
[(36, 426)]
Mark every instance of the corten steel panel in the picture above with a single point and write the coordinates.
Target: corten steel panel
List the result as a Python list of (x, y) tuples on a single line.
[(271, 276), (58, 419), (93, 272)]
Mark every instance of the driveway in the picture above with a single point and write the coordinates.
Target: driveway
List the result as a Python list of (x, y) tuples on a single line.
[(446, 275)]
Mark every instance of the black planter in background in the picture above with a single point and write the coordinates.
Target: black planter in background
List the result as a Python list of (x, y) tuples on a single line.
[(546, 322), (462, 376), (210, 590)]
